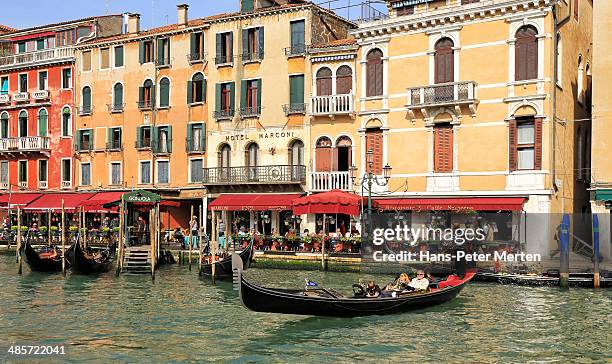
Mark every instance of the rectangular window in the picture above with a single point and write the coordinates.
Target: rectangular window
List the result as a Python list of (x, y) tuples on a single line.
[(104, 58), (252, 44), (526, 145), (43, 81), (197, 47), (163, 52), (23, 82), (23, 171), (298, 37), (163, 140), (196, 138), (114, 139), (67, 78), (4, 85), (146, 51), (225, 48), (21, 47), (85, 140), (115, 172), (145, 172), (525, 140), (250, 98), (443, 148), (4, 170), (66, 170), (119, 56), (163, 172), (40, 44), (196, 89), (195, 170), (86, 61), (296, 94), (85, 174), (226, 97), (42, 170), (144, 137)]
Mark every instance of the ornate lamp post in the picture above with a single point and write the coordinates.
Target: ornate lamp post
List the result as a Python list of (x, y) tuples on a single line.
[(369, 179)]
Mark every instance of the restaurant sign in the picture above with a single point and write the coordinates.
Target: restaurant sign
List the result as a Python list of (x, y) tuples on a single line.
[(142, 197)]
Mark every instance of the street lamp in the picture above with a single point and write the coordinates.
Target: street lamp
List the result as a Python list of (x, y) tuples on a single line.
[(369, 179)]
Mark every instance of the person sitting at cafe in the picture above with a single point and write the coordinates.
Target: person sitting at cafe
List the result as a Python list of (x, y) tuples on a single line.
[(178, 235), (372, 289), (419, 282)]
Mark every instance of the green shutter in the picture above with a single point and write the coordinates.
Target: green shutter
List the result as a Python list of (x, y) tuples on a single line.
[(259, 92), (164, 94), (139, 136), (203, 137), (218, 96), (192, 55), (297, 89), (219, 48), (118, 96), (141, 54), (42, 124), (247, 6), (189, 92), (231, 43), (232, 96), (169, 139), (118, 56), (245, 43), (189, 136), (204, 90), (141, 95), (243, 94), (160, 51), (260, 42), (154, 138)]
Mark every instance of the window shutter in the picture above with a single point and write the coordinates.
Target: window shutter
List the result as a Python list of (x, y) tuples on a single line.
[(169, 139), (512, 142), (232, 96), (160, 51), (87, 98), (118, 56), (538, 144), (189, 92), (259, 92), (243, 94), (118, 96), (219, 47), (139, 136), (169, 47), (109, 136), (141, 52), (164, 94), (260, 41), (203, 137), (204, 85), (218, 97), (532, 59), (443, 149), (370, 78), (245, 43), (189, 136), (155, 138), (231, 48), (192, 43), (519, 61), (141, 93), (297, 89), (153, 94)]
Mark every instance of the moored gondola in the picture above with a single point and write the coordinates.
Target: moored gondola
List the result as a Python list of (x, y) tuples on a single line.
[(223, 268), (548, 279), (46, 260), (83, 263), (328, 302)]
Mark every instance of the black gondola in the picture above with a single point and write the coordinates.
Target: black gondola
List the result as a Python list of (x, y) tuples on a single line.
[(83, 263), (47, 260), (223, 268), (575, 279), (327, 302)]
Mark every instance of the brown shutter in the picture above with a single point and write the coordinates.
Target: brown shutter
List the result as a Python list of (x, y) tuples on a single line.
[(444, 65), (519, 61), (374, 142), (344, 84), (323, 157), (379, 78), (370, 78), (512, 151), (538, 144), (324, 86), (334, 158), (443, 149), (531, 50)]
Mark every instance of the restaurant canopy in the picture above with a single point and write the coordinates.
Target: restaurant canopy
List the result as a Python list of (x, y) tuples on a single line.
[(453, 204), (53, 202), (332, 202), (96, 202), (253, 202), (17, 199)]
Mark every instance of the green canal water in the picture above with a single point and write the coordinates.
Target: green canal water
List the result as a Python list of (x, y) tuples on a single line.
[(181, 318)]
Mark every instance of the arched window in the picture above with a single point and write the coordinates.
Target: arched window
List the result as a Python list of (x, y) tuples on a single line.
[(580, 81), (374, 73), (296, 153), (324, 82), (42, 122), (196, 89), (23, 123), (86, 100), (4, 125), (559, 60), (252, 155), (118, 97), (146, 95), (589, 84), (526, 53), (323, 154), (343, 153), (444, 61), (225, 162), (344, 80), (66, 121), (164, 92)]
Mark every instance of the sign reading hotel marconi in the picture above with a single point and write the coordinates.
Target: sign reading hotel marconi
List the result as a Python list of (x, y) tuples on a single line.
[(262, 135)]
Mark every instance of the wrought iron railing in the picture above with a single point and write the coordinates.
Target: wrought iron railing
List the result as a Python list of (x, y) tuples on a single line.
[(255, 174), (192, 145), (250, 111), (145, 104), (116, 107), (294, 109), (253, 56), (444, 93), (223, 114), (296, 50), (114, 145), (223, 59)]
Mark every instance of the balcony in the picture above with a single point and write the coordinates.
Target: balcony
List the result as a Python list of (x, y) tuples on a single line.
[(23, 184), (163, 62), (327, 181), (85, 110), (194, 146), (223, 114), (196, 57), (296, 50), (4, 186), (114, 145), (332, 105), (277, 174), (253, 56), (37, 58), (292, 109), (5, 99), (250, 112), (143, 144), (115, 108), (159, 147), (453, 94), (224, 60), (144, 105), (21, 97), (24, 144), (43, 185), (40, 95), (83, 146), (66, 184)]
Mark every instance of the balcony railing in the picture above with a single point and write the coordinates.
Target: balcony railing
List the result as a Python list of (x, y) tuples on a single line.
[(4, 185), (326, 181), (115, 108), (114, 145), (296, 50), (85, 110), (196, 57), (143, 144), (332, 105), (159, 147), (40, 95), (253, 56), (452, 93), (38, 57), (290, 109), (83, 146), (23, 184), (66, 184), (163, 62), (223, 114), (255, 175), (5, 99), (222, 60), (194, 146), (21, 97), (145, 104), (250, 111), (24, 144), (43, 185)]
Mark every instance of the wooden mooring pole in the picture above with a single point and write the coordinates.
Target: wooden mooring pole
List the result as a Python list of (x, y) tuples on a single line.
[(190, 237), (121, 237), (200, 241), (564, 252), (596, 282), (19, 258), (49, 227), (63, 239)]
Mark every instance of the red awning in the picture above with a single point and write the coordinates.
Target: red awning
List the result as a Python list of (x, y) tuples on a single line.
[(254, 202), (20, 199), (96, 202), (332, 202), (33, 36), (53, 201), (169, 203), (453, 204)]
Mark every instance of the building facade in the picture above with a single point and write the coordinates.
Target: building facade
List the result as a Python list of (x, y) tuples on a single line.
[(36, 102)]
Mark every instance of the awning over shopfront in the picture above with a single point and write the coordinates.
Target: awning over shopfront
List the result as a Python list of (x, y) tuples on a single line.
[(603, 195), (15, 199), (96, 202), (453, 204), (332, 202), (253, 202), (53, 201)]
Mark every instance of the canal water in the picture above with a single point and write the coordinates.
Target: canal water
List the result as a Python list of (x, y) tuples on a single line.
[(182, 318)]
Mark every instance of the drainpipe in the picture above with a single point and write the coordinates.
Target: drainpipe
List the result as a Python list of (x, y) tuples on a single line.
[(554, 104)]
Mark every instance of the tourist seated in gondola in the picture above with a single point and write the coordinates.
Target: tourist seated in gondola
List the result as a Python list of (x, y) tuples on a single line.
[(419, 283), (372, 289), (433, 282), (400, 284)]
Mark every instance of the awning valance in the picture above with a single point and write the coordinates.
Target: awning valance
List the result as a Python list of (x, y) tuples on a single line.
[(603, 195), (53, 201), (17, 199), (453, 204), (332, 202), (253, 202), (96, 202)]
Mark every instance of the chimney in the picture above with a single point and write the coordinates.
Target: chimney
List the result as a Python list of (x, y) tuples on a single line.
[(182, 14), (134, 24)]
